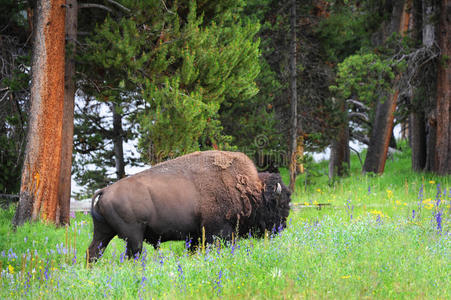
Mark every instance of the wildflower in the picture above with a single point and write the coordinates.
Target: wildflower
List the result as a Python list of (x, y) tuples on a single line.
[(218, 285), (389, 194), (398, 202), (318, 190), (188, 243), (429, 206), (349, 208), (427, 201), (413, 214), (438, 219), (346, 276), (377, 213), (431, 181), (11, 269), (72, 214)]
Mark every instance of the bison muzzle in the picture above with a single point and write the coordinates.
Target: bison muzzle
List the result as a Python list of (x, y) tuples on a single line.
[(216, 191)]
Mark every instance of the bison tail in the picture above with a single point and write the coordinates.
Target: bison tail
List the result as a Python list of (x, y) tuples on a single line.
[(95, 215)]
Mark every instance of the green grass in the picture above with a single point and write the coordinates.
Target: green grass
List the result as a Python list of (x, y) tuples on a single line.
[(366, 244)]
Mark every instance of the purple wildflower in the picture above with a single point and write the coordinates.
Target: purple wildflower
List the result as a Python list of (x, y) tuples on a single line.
[(438, 195), (144, 259), (123, 254), (438, 219), (180, 270), (349, 208), (232, 251), (218, 284), (188, 243), (420, 197), (72, 214), (378, 218), (369, 190), (413, 214)]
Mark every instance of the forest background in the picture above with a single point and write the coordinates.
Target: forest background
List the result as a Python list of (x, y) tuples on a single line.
[(274, 79)]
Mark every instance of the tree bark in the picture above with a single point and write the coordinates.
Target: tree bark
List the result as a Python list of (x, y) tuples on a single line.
[(294, 97), (339, 162), (383, 122), (68, 112), (418, 140), (118, 142), (443, 111), (38, 198)]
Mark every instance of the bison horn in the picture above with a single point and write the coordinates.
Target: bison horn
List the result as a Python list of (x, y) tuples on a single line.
[(279, 189)]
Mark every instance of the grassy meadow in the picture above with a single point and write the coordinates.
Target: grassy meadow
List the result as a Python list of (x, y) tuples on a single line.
[(378, 237)]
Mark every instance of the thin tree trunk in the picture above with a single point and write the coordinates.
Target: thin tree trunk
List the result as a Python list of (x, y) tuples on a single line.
[(443, 137), (339, 161), (68, 112), (118, 142), (418, 140), (41, 171), (294, 97), (422, 138), (383, 122)]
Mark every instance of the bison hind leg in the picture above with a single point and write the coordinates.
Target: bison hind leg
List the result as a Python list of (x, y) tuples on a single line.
[(133, 234), (103, 234)]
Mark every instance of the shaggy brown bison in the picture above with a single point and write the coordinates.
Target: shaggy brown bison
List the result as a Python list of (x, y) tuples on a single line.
[(215, 190)]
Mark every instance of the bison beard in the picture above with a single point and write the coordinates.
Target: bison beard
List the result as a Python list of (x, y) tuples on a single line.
[(215, 190)]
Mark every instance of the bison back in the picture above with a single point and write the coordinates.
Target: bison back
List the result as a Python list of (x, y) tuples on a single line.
[(228, 182)]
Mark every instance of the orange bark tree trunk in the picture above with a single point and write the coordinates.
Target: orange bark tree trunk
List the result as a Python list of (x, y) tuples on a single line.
[(41, 170), (443, 136), (64, 189), (383, 122)]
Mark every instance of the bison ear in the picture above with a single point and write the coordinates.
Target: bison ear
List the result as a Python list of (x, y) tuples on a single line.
[(279, 189)]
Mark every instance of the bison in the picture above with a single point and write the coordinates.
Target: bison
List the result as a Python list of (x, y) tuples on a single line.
[(211, 192)]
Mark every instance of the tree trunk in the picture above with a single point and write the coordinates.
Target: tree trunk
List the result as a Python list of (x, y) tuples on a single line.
[(339, 162), (443, 133), (422, 136), (294, 97), (300, 153), (68, 112), (41, 171), (383, 122), (118, 142)]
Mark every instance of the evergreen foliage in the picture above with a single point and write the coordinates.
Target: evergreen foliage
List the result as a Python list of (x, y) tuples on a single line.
[(14, 92)]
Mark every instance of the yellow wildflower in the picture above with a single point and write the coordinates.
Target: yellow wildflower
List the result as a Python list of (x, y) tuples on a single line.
[(306, 204), (346, 276), (11, 269), (389, 194), (429, 206), (427, 201), (431, 181), (318, 190), (398, 202), (377, 212)]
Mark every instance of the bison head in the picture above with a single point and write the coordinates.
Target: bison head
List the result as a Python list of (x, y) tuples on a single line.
[(275, 207)]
